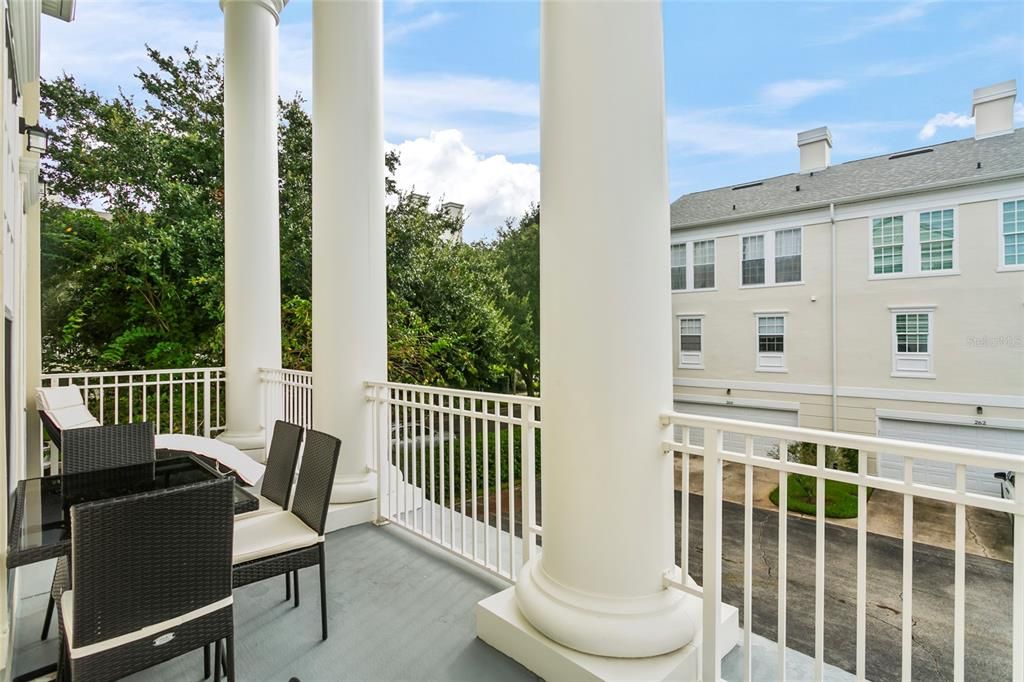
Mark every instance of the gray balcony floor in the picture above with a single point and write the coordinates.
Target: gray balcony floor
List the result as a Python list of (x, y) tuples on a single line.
[(398, 610)]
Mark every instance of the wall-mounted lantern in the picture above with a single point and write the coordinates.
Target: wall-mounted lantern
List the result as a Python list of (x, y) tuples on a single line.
[(37, 136)]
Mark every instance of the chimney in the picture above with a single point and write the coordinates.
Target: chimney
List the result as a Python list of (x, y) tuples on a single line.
[(993, 109), (815, 149), (452, 210)]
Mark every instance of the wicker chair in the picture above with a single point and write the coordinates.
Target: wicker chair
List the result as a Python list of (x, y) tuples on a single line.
[(152, 580), (62, 408), (282, 459), (91, 448), (283, 543)]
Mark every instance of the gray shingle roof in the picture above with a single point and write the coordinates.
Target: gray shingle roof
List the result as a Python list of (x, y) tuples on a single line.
[(950, 162)]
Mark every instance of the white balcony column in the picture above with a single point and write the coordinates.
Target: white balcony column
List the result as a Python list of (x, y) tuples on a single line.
[(350, 340), (252, 263), (606, 350)]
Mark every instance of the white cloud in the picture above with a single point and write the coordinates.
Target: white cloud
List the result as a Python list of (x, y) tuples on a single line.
[(491, 187), (396, 32), (786, 94), (947, 120), (856, 29)]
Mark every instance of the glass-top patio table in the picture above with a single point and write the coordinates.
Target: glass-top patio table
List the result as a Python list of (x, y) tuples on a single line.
[(40, 520)]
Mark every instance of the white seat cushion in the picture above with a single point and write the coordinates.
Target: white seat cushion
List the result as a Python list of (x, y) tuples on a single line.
[(266, 507), (270, 534)]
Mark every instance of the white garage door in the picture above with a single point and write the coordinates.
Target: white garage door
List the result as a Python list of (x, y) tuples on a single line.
[(734, 441), (955, 435)]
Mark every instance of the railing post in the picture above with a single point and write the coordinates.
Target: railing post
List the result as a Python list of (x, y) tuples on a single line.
[(712, 549), (206, 403), (529, 511)]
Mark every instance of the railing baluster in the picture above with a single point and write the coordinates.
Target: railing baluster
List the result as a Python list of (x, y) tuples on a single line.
[(1018, 588), (462, 474), (486, 423), (529, 481), (819, 566), (510, 429), (908, 572), (960, 566), (748, 557), (862, 563), (782, 558), (712, 564), (473, 455), (497, 485), (449, 420)]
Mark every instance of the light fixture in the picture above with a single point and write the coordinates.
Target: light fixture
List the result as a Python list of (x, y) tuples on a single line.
[(980, 410), (38, 138)]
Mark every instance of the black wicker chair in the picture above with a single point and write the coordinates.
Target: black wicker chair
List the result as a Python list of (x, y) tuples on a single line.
[(152, 580), (281, 544), (276, 490), (98, 447)]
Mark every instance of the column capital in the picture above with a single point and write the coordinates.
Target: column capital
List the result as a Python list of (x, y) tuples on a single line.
[(275, 7)]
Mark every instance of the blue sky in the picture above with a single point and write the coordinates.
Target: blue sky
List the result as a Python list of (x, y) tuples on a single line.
[(461, 81)]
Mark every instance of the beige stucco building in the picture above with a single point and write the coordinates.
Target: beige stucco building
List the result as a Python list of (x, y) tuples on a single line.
[(883, 296)]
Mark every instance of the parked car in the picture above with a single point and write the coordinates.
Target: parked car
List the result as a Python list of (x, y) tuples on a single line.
[(414, 434), (1006, 486)]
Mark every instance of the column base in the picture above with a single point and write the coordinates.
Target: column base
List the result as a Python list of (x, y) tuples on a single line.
[(652, 625), (352, 514), (354, 488), (501, 624), (253, 444)]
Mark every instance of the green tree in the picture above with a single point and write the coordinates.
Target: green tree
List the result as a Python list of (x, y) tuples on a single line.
[(132, 241), (517, 252)]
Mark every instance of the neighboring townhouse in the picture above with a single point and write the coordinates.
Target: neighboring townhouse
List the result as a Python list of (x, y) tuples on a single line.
[(883, 296)]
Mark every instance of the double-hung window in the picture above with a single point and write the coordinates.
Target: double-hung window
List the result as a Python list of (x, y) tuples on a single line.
[(691, 342), (678, 267), (753, 259), (914, 244), (787, 256), (912, 342), (693, 265), (887, 244), (772, 258), (1012, 235), (936, 231), (704, 264), (771, 342)]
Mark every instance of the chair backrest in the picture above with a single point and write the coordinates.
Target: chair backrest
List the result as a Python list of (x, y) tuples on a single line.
[(103, 447), (316, 479), (144, 559), (281, 462), (62, 408)]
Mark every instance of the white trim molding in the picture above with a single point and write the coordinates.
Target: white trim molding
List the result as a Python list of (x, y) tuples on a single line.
[(982, 399), (787, 405), (939, 418)]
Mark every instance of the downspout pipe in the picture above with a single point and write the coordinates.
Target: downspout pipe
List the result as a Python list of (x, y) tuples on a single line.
[(835, 317)]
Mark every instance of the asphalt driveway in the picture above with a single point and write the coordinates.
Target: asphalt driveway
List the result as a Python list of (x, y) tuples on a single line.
[(989, 590)]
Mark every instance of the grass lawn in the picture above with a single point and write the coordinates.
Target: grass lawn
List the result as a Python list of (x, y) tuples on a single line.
[(840, 498)]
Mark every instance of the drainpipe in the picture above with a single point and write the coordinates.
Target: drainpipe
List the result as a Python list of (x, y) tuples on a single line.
[(835, 315)]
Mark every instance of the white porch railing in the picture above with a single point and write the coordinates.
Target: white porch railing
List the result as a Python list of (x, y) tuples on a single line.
[(288, 396), (188, 401), (728, 441), (458, 468)]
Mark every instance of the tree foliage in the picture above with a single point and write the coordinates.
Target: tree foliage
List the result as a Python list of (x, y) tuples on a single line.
[(132, 244)]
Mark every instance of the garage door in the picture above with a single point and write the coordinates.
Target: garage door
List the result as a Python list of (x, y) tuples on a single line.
[(956, 435), (734, 441)]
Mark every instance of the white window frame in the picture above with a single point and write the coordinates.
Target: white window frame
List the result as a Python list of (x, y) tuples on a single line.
[(912, 243), (770, 361), (685, 266), (1001, 265), (690, 265), (913, 365), (689, 359), (769, 258)]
